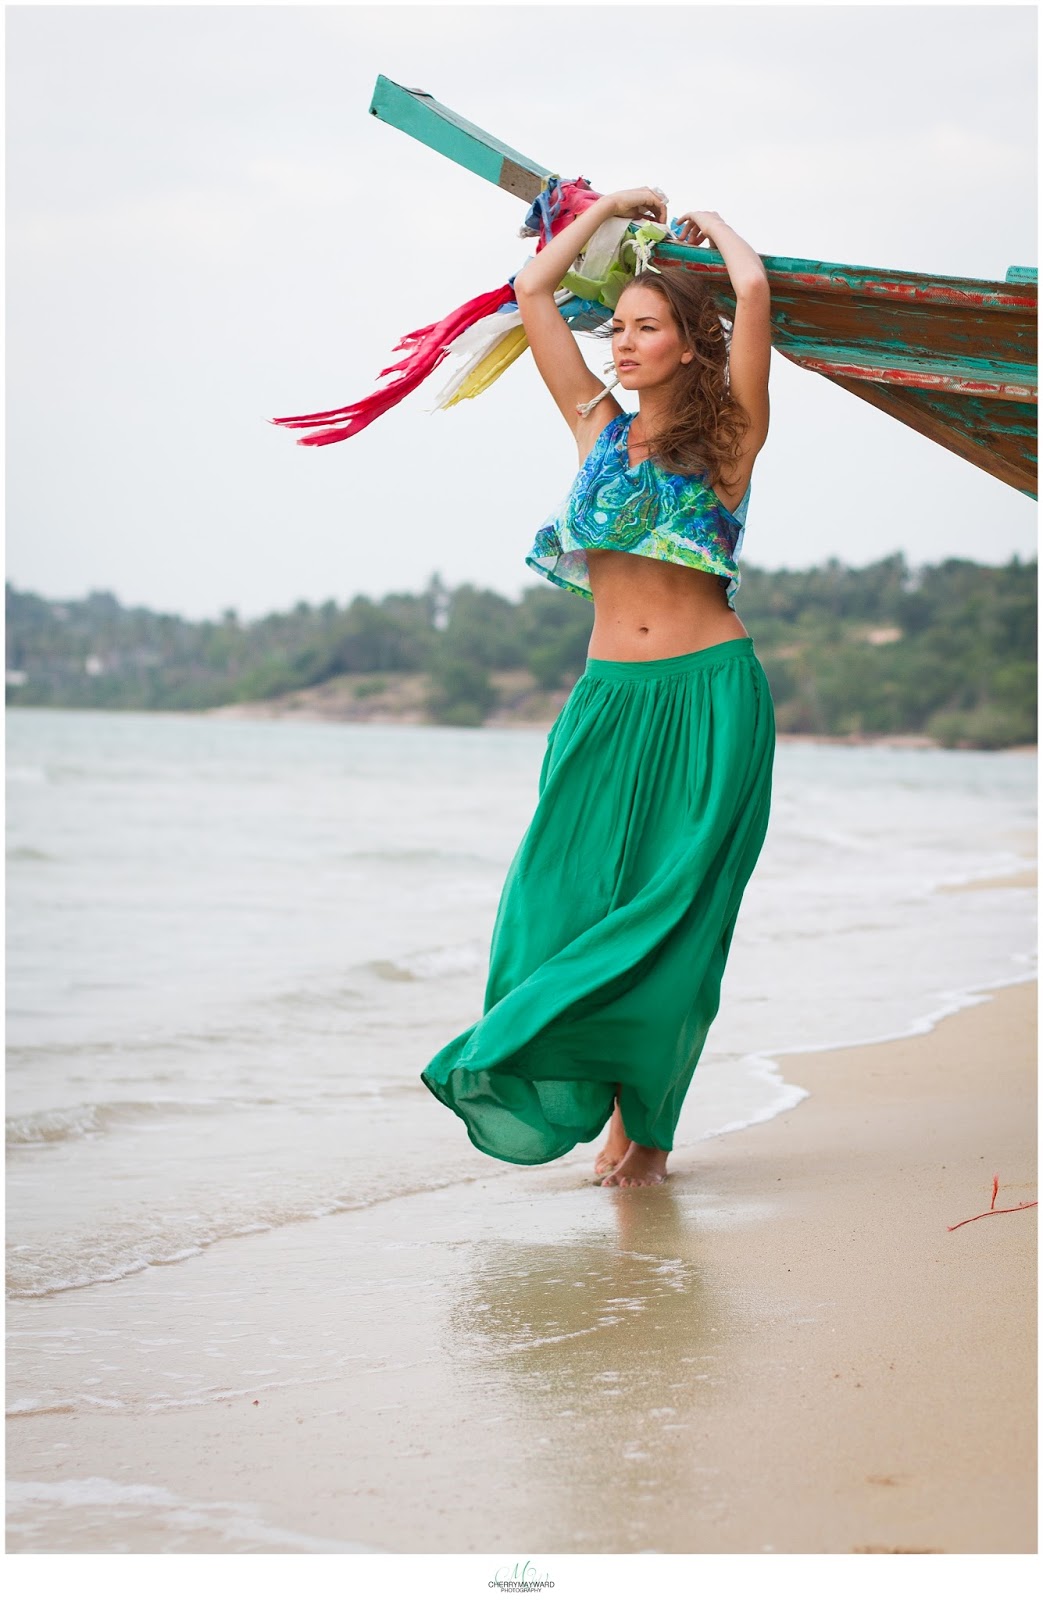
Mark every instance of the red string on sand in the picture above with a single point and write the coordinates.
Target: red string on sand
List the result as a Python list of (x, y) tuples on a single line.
[(994, 1210)]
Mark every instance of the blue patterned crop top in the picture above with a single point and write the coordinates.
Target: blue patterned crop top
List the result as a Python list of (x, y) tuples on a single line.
[(643, 510)]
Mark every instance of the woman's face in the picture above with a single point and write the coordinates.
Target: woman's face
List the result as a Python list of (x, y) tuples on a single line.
[(646, 343)]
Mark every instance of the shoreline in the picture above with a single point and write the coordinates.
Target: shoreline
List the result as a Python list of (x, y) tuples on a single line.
[(772, 1064), (273, 711), (798, 1272)]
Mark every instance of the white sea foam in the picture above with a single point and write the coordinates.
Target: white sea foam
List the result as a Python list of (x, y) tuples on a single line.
[(33, 1508)]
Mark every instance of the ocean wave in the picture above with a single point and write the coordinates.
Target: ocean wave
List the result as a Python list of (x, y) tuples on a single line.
[(430, 857), (32, 1508), (335, 996), (138, 1044), (31, 1407), (1009, 867), (68, 1262), (950, 1002), (93, 1118), (442, 961)]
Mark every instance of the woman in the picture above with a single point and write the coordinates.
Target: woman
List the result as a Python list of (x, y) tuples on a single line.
[(616, 918)]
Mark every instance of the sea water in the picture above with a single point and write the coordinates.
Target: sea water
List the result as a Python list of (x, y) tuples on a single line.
[(233, 946)]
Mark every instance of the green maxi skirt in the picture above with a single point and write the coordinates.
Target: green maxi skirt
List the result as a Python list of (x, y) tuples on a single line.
[(618, 910)]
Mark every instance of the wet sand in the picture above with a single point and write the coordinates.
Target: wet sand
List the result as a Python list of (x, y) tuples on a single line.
[(783, 1349)]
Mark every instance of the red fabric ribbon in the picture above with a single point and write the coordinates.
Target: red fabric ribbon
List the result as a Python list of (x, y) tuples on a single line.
[(426, 346)]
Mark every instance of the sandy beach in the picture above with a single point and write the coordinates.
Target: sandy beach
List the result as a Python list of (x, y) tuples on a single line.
[(784, 1349)]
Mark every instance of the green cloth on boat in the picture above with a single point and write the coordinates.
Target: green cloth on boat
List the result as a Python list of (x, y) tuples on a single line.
[(603, 274), (618, 910)]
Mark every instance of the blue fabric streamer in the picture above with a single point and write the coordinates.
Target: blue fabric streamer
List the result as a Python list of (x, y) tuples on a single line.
[(544, 210)]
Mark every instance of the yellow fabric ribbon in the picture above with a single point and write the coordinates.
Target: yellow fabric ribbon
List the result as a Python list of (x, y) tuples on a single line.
[(490, 367)]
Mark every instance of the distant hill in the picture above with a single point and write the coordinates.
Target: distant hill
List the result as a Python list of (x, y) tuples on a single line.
[(947, 652)]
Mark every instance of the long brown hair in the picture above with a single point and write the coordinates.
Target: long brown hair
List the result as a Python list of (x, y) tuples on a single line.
[(707, 423)]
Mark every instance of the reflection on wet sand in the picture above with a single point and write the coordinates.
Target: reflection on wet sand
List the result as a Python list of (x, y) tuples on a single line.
[(602, 1351)]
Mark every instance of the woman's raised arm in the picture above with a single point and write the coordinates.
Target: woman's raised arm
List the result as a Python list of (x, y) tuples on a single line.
[(557, 356), (749, 352)]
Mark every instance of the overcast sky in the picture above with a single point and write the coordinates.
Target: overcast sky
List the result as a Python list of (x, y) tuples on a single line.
[(205, 229)]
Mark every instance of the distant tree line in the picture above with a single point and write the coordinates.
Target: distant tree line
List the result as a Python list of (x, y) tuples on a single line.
[(947, 650)]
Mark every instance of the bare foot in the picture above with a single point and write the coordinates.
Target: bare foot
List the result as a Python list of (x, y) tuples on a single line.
[(616, 1146), (643, 1164)]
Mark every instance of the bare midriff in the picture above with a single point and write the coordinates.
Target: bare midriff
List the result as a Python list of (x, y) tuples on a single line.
[(645, 609)]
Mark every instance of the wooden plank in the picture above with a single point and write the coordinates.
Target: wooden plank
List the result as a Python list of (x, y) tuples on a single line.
[(953, 379), (916, 288), (424, 118), (987, 435)]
